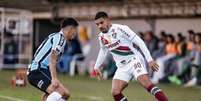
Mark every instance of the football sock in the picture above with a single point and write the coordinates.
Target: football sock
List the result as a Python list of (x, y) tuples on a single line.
[(157, 92), (120, 97), (61, 99), (54, 96)]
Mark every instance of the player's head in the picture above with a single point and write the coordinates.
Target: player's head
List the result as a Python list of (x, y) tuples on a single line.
[(102, 21), (198, 38), (69, 27)]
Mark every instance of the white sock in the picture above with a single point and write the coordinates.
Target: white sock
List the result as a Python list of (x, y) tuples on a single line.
[(61, 99), (54, 96)]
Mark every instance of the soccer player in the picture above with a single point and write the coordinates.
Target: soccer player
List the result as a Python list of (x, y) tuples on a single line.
[(42, 71), (130, 54)]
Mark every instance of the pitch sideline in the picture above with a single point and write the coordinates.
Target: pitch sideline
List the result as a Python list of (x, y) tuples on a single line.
[(17, 99), (11, 98)]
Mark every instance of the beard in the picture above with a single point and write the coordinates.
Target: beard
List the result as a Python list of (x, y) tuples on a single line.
[(104, 30)]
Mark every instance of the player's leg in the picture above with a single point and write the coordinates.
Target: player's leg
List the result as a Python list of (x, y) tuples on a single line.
[(120, 82), (59, 93), (66, 93), (156, 91), (141, 75), (117, 87), (54, 93), (38, 80), (41, 79), (44, 96)]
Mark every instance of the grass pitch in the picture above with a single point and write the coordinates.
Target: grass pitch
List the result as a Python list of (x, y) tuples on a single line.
[(87, 89)]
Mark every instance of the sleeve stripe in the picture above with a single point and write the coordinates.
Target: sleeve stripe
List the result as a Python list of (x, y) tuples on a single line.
[(61, 40)]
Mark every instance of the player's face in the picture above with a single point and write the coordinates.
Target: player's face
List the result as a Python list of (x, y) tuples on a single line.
[(197, 38), (71, 32), (103, 24)]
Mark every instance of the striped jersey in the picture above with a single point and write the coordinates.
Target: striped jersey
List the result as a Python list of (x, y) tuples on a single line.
[(56, 42), (122, 43)]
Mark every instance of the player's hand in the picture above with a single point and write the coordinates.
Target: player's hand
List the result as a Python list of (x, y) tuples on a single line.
[(55, 82), (153, 65), (99, 74)]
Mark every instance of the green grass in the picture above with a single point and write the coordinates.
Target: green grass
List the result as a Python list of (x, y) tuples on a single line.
[(86, 89)]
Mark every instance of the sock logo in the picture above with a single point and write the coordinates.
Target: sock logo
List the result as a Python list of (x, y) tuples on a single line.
[(155, 90), (124, 99)]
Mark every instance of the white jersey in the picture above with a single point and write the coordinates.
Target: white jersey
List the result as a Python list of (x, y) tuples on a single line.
[(123, 44)]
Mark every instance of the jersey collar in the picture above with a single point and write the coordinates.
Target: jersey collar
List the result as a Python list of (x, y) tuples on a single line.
[(61, 32), (109, 29)]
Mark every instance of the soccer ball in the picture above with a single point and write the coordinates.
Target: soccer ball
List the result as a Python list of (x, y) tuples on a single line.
[(19, 79)]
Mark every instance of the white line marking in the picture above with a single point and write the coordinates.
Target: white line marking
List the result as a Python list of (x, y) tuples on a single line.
[(91, 98), (11, 98), (95, 98)]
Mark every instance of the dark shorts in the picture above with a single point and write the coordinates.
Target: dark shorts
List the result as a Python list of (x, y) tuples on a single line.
[(40, 79)]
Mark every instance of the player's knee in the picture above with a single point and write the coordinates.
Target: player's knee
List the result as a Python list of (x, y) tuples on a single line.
[(50, 89), (144, 80), (115, 91), (66, 95)]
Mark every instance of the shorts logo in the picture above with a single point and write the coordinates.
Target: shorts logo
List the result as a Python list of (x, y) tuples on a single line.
[(123, 61), (40, 83)]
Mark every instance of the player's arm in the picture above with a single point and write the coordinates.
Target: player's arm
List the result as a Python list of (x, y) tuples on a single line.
[(58, 43), (53, 62), (100, 59), (139, 42), (135, 39)]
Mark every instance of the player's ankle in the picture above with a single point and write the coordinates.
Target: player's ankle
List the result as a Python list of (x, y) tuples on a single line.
[(120, 97), (160, 96)]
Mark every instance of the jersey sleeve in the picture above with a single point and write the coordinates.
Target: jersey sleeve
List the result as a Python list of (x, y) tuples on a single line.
[(140, 43), (131, 36), (58, 43), (101, 55), (126, 32)]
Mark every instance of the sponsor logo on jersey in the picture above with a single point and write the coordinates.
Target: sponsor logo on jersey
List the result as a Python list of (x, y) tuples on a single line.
[(114, 44)]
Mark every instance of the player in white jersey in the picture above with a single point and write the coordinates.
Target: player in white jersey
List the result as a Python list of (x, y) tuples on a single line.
[(130, 54), (42, 71)]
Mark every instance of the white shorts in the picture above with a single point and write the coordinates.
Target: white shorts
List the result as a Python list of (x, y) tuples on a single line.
[(134, 68)]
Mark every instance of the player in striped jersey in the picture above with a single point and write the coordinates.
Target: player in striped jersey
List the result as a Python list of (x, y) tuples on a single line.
[(130, 54), (42, 71)]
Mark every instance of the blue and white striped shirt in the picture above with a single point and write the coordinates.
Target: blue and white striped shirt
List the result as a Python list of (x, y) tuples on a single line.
[(56, 42)]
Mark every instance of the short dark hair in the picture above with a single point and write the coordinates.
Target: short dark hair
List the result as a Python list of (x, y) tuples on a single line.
[(69, 22), (101, 14), (190, 31)]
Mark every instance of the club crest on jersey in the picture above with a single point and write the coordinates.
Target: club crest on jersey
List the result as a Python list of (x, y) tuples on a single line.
[(104, 41)]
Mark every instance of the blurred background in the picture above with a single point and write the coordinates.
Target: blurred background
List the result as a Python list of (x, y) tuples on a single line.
[(171, 30)]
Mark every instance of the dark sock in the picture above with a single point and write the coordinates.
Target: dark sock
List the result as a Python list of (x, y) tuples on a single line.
[(120, 97), (157, 92)]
